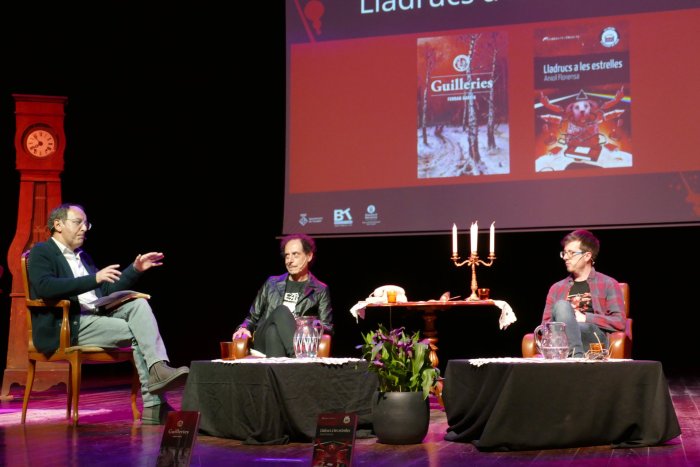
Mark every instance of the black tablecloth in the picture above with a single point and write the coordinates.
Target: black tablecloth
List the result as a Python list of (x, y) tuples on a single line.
[(525, 406), (274, 403)]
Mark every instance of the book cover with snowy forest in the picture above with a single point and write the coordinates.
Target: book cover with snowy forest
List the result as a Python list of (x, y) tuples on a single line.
[(462, 98)]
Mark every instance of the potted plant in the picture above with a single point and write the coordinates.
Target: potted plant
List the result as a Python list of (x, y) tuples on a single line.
[(400, 410)]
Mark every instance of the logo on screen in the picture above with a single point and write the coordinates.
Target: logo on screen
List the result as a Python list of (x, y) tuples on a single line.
[(342, 217), (609, 37), (461, 62), (371, 215), (304, 219)]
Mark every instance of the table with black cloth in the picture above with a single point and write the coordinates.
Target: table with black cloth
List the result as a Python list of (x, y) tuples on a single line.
[(531, 404), (274, 401)]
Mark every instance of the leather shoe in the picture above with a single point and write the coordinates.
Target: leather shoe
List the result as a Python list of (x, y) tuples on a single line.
[(162, 377), (156, 415)]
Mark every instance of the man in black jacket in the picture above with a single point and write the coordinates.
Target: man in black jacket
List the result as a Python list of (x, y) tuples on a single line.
[(283, 298), (59, 268)]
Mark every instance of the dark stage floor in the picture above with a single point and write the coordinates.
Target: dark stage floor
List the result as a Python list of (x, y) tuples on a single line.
[(106, 436)]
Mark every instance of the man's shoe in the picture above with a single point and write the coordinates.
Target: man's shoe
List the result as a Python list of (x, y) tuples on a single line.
[(162, 377), (156, 415)]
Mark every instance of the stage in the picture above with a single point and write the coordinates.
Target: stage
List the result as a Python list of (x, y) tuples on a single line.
[(106, 436)]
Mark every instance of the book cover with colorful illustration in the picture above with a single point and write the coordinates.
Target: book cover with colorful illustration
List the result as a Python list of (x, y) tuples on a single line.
[(582, 106)]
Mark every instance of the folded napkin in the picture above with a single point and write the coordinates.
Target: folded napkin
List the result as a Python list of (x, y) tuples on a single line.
[(378, 296)]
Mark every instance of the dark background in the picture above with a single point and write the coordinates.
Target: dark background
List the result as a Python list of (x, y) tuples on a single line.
[(175, 127)]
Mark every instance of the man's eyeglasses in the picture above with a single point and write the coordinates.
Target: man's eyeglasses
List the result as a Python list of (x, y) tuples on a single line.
[(79, 223), (569, 254)]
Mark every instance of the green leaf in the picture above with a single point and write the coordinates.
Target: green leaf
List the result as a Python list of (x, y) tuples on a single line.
[(388, 353)]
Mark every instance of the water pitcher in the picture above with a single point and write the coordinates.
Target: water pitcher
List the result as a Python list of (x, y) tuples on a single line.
[(307, 336), (551, 340)]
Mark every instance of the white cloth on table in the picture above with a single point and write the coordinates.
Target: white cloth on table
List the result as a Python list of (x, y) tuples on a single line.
[(485, 361), (378, 296), (321, 360), (507, 315)]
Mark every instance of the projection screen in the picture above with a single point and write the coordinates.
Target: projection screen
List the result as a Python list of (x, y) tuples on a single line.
[(406, 116)]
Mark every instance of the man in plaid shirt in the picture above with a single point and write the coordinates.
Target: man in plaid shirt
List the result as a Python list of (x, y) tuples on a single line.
[(587, 301)]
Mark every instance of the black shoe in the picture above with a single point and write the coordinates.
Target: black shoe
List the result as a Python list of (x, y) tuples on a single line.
[(156, 415), (162, 377)]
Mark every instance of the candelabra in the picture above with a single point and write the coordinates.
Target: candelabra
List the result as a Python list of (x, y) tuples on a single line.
[(473, 261)]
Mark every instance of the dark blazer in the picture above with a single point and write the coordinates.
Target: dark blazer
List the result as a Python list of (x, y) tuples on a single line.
[(316, 301), (50, 277)]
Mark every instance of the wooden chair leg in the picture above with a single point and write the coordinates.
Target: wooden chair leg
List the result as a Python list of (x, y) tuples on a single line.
[(69, 392), (31, 367), (135, 389), (75, 374), (438, 391)]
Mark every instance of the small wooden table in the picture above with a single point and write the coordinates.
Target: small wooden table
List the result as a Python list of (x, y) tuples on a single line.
[(428, 310)]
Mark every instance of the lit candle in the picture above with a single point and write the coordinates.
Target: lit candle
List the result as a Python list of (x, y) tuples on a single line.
[(492, 239), (454, 239), (472, 235)]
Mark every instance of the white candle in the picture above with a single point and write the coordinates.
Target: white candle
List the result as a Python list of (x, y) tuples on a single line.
[(454, 239), (472, 235), (492, 239)]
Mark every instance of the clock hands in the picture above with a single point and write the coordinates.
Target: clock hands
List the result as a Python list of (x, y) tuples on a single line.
[(40, 143)]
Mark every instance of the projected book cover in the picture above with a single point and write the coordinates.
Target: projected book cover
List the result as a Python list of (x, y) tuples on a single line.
[(462, 105), (582, 97)]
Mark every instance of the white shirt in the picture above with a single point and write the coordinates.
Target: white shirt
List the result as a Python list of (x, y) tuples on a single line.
[(76, 265)]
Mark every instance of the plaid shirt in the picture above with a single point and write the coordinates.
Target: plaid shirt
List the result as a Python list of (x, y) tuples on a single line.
[(606, 297)]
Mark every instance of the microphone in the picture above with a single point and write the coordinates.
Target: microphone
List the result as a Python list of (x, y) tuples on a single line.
[(579, 259)]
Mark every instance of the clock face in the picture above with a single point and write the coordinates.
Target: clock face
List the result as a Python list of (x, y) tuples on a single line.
[(40, 142)]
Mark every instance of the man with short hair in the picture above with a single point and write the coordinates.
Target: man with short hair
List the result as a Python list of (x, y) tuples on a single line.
[(590, 303), (59, 268)]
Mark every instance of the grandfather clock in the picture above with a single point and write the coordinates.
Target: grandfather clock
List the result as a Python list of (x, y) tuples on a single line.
[(39, 144)]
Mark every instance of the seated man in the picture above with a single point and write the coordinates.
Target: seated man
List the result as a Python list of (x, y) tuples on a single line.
[(59, 268), (588, 302), (283, 298)]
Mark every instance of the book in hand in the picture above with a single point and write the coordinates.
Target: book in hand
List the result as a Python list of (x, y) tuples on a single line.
[(115, 299), (335, 440), (178, 439)]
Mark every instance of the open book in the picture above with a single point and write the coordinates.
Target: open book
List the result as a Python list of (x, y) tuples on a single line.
[(118, 298)]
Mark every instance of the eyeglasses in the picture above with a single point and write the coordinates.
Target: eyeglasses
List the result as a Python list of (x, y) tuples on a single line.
[(570, 254), (79, 223)]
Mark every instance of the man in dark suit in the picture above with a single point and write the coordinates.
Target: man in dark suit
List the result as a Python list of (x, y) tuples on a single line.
[(59, 268)]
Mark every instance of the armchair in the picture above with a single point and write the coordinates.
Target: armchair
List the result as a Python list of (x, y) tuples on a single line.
[(620, 341), (75, 356)]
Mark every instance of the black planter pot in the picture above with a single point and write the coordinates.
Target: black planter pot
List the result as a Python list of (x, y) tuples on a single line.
[(400, 417)]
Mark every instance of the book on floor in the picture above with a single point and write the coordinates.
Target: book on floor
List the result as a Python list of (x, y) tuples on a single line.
[(335, 440), (179, 435)]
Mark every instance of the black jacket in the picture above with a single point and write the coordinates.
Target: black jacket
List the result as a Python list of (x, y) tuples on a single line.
[(315, 301), (50, 277)]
